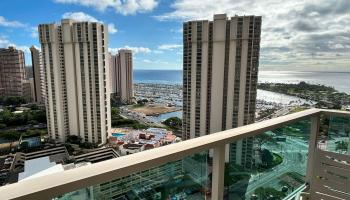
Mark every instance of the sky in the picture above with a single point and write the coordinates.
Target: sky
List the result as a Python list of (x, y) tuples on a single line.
[(304, 35)]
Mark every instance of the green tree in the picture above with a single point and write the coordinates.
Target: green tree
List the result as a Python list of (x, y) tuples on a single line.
[(34, 107), (24, 145), (27, 117), (142, 101), (173, 122), (87, 145), (12, 101), (35, 132), (266, 157), (2, 126), (139, 126), (268, 193), (264, 138), (115, 111), (10, 135), (74, 139), (341, 146)]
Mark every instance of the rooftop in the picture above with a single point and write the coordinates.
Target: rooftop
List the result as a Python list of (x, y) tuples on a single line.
[(39, 167)]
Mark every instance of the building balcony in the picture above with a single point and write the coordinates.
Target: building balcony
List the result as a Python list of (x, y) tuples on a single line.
[(304, 155)]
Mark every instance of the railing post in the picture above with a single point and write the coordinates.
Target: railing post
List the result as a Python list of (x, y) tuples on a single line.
[(218, 173), (315, 125)]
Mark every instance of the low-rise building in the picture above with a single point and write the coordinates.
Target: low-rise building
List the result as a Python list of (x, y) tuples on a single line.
[(133, 141)]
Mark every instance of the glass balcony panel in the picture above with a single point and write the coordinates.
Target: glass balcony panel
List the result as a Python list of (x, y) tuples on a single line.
[(334, 134), (181, 179), (276, 165)]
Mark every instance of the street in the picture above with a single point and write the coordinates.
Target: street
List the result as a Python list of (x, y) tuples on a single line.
[(294, 153)]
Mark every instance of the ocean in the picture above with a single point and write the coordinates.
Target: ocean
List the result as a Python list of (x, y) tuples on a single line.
[(158, 76), (339, 80)]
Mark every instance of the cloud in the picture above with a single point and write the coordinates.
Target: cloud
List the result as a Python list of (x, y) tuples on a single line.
[(135, 50), (158, 51), (112, 29), (16, 24), (305, 25), (169, 46), (81, 16), (179, 30), (5, 43), (13, 24), (124, 7), (146, 61), (156, 64), (24, 48), (34, 32), (294, 33)]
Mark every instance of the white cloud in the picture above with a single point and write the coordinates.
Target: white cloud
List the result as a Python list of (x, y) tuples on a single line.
[(16, 24), (4, 42), (112, 29), (179, 30), (34, 32), (124, 7), (158, 51), (81, 16), (24, 48), (135, 50), (294, 33), (13, 24), (155, 62), (169, 46), (146, 61), (113, 50)]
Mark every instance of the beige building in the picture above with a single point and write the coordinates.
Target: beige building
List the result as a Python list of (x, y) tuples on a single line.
[(112, 72), (38, 76), (220, 72), (122, 75), (77, 76), (28, 89), (12, 72)]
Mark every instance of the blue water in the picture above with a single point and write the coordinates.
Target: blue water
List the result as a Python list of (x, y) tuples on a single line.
[(117, 135), (158, 76), (165, 116), (338, 80)]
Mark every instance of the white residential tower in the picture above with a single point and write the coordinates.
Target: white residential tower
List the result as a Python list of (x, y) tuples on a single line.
[(75, 58), (220, 72)]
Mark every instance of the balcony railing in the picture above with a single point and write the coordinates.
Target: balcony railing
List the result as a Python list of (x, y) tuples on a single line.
[(300, 155)]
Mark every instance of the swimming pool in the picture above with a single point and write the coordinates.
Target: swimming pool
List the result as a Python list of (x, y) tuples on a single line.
[(118, 134)]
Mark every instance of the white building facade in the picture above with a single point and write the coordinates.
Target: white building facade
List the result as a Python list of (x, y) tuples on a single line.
[(122, 75), (75, 58), (220, 72), (38, 76)]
